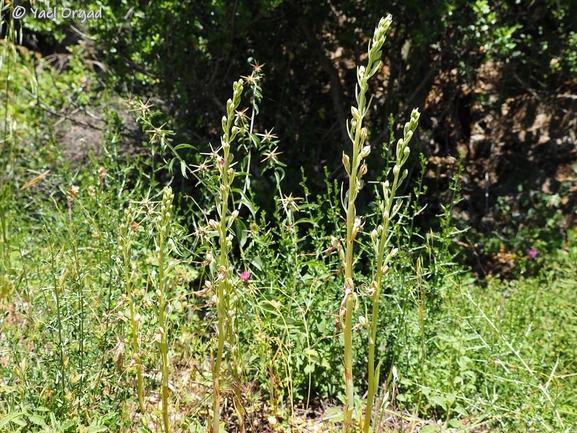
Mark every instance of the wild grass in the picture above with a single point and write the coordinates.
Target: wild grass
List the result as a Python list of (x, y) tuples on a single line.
[(125, 308)]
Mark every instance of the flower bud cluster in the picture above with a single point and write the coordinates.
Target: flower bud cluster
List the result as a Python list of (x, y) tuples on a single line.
[(356, 131), (230, 131), (127, 232), (166, 209), (377, 43), (403, 150), (402, 153), (389, 206)]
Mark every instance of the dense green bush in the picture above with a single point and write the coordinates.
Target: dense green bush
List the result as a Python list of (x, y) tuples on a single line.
[(187, 53)]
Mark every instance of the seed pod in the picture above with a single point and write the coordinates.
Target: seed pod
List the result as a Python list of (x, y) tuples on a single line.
[(347, 163)]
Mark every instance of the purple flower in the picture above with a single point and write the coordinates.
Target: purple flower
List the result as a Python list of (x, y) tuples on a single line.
[(531, 253), (244, 276)]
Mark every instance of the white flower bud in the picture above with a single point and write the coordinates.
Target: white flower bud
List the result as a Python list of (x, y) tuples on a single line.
[(354, 112), (408, 137), (400, 147), (374, 236), (407, 128), (365, 152), (335, 242)]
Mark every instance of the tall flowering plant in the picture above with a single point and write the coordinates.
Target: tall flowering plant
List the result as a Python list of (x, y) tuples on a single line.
[(226, 218), (356, 168)]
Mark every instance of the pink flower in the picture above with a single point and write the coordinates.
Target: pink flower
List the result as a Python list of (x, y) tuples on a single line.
[(244, 276), (222, 162), (531, 253)]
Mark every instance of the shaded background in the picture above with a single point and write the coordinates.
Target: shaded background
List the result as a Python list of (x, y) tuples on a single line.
[(495, 81)]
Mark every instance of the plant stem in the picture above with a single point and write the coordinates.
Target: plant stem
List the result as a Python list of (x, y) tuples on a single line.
[(164, 229), (223, 285), (125, 244), (374, 370), (380, 238), (58, 288), (349, 294), (356, 169)]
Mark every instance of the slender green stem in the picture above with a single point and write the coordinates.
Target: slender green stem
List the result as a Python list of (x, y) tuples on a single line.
[(389, 208), (163, 332), (223, 284), (356, 169), (58, 286), (374, 370), (164, 228), (125, 244), (136, 347)]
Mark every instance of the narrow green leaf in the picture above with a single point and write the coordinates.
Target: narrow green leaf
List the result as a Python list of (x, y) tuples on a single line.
[(241, 232), (13, 417), (184, 146), (244, 200), (257, 263), (335, 414), (183, 168)]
